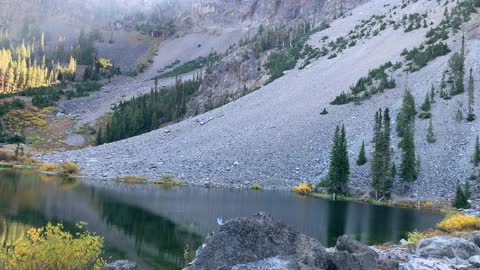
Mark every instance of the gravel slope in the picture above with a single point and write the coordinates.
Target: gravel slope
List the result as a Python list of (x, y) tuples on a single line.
[(276, 137)]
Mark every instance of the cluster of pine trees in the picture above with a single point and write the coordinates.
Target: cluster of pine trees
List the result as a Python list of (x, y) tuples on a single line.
[(339, 170), (383, 169), (375, 82), (148, 112)]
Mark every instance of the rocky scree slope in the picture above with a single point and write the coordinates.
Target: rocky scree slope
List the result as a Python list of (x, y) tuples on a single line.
[(276, 137)]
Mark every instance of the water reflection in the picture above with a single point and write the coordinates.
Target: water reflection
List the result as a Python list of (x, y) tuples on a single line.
[(152, 225)]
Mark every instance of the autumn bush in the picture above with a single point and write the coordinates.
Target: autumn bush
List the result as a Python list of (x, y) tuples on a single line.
[(413, 238), (68, 167), (459, 222), (53, 248), (304, 188), (48, 167)]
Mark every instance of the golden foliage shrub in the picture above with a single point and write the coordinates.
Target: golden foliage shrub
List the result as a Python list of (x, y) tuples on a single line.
[(68, 167), (48, 167), (413, 238), (18, 120), (304, 188), (54, 249), (459, 222)]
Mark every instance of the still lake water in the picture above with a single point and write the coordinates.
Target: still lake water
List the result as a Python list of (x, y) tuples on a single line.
[(152, 225)]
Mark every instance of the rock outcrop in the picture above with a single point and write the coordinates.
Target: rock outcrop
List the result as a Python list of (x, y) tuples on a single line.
[(234, 76), (447, 247), (261, 242)]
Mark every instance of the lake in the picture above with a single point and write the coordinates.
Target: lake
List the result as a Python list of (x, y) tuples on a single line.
[(152, 225)]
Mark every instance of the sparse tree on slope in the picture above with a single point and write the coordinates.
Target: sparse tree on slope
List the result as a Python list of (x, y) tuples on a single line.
[(461, 197), (476, 153), (430, 135), (382, 176), (406, 116), (471, 98), (426, 106), (362, 159), (339, 171), (408, 167)]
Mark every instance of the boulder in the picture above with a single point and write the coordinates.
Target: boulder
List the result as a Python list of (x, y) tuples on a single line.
[(425, 264), (447, 247), (120, 265), (352, 255), (274, 263), (476, 239), (261, 242), (242, 241), (474, 260)]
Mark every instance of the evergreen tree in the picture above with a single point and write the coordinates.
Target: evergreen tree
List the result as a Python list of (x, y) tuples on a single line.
[(382, 179), (476, 153), (430, 135), (432, 94), (406, 116), (408, 167), (426, 106), (362, 159), (456, 64), (99, 139), (461, 199), (339, 171), (471, 98)]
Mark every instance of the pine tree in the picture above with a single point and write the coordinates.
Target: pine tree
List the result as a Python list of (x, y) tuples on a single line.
[(471, 98), (406, 116), (456, 64), (362, 159), (432, 94), (426, 106), (476, 153), (461, 199), (382, 179), (430, 135), (99, 139), (339, 171), (408, 167)]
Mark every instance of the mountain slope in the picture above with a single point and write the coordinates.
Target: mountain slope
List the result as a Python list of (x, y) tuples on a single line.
[(276, 136)]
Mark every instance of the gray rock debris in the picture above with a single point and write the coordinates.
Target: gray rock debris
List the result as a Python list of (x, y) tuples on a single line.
[(261, 242)]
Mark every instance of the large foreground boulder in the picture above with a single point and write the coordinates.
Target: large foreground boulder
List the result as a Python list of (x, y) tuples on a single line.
[(351, 254), (246, 240), (447, 247), (262, 243)]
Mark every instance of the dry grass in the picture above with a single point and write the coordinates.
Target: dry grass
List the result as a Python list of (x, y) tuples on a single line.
[(132, 179), (168, 179), (7, 155)]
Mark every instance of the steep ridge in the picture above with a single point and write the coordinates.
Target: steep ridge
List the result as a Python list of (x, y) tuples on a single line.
[(276, 137)]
